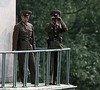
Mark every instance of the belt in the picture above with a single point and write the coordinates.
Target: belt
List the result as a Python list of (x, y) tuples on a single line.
[(23, 39), (53, 39)]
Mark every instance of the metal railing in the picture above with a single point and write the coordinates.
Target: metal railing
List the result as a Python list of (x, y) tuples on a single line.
[(46, 65)]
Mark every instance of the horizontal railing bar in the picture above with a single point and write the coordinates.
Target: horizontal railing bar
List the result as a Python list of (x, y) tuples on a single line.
[(46, 50), (46, 73)]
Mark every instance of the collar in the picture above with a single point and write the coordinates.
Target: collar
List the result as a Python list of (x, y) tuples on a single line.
[(24, 24)]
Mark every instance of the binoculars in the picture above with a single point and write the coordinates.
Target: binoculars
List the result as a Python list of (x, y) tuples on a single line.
[(55, 17)]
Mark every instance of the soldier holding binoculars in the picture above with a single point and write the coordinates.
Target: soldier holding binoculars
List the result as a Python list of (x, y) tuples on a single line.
[(54, 41)]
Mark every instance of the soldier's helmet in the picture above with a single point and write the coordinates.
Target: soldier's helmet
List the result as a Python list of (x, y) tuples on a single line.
[(25, 12)]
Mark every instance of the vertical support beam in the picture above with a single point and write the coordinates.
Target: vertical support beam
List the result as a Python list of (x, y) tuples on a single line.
[(58, 67), (37, 69), (3, 69), (15, 70), (26, 69), (67, 66), (7, 22), (48, 68), (44, 66)]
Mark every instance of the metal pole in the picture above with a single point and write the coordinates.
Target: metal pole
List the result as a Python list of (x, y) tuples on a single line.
[(48, 68), (26, 69), (3, 70), (68, 67), (44, 67), (58, 68), (37, 69), (15, 70)]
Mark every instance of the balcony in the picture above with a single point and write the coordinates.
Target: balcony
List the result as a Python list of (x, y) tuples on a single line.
[(42, 78)]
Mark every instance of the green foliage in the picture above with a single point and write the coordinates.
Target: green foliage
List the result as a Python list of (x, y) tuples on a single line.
[(82, 18), (85, 63)]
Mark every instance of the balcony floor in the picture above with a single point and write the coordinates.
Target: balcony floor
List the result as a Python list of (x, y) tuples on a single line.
[(8, 86)]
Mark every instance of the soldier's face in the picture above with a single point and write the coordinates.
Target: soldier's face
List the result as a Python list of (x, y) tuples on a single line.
[(25, 18), (55, 18)]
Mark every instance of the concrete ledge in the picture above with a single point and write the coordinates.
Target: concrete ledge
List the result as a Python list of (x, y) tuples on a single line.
[(41, 86)]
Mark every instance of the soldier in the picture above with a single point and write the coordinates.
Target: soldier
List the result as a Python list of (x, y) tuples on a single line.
[(24, 39), (54, 29)]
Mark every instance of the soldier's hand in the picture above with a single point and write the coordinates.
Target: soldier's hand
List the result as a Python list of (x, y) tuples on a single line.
[(59, 19)]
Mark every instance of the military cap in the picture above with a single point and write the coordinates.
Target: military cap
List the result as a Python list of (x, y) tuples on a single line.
[(25, 12), (55, 12)]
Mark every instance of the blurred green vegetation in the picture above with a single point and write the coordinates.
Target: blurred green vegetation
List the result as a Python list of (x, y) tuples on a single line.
[(83, 20)]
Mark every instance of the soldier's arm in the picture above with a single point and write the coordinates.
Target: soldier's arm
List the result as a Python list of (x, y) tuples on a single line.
[(33, 39), (47, 28), (15, 37), (64, 26)]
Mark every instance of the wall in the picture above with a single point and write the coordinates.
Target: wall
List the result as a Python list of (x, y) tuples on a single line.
[(7, 22)]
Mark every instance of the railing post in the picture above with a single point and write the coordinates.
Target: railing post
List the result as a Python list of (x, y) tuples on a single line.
[(48, 68), (37, 69), (15, 70), (3, 70), (68, 66), (58, 67), (44, 67), (26, 69)]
